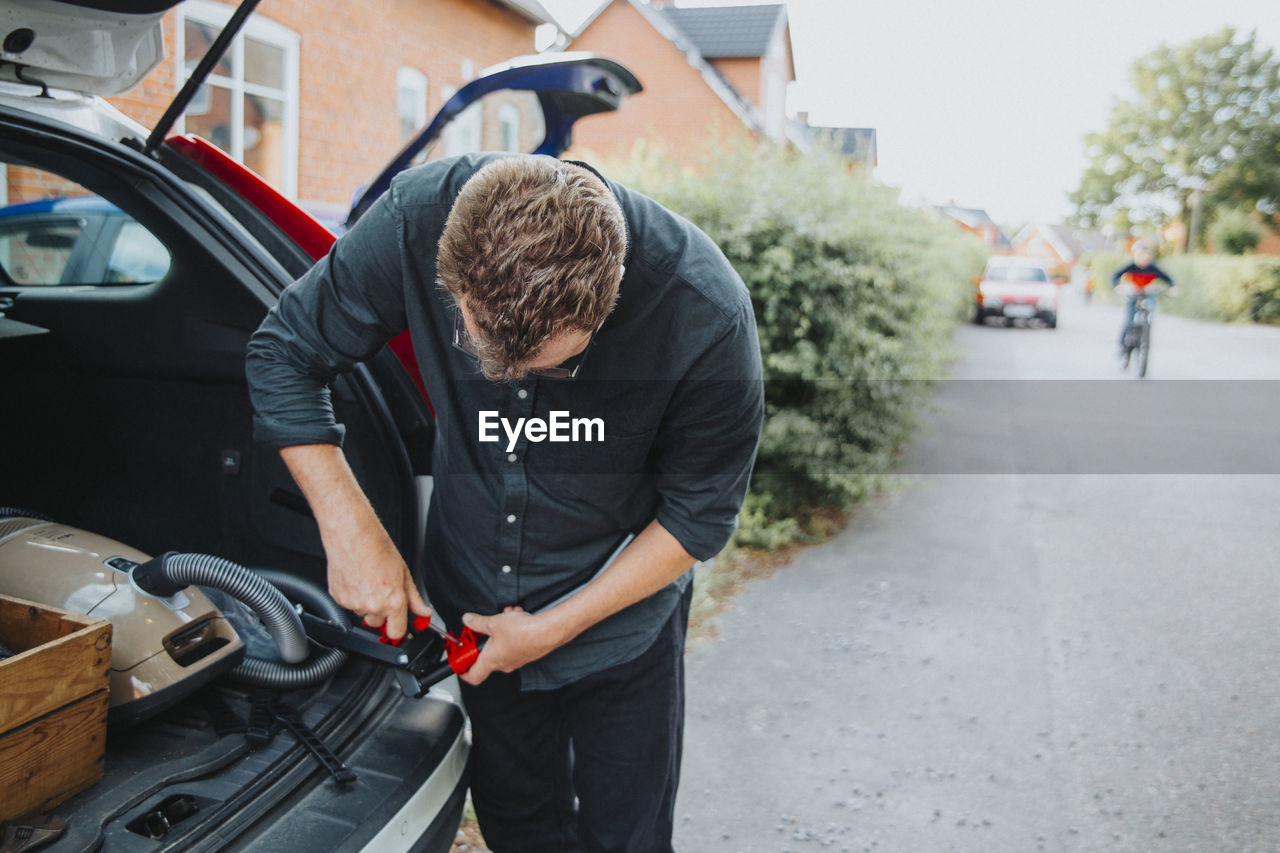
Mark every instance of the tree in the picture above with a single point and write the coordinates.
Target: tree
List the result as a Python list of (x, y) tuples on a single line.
[(1203, 129), (1234, 232)]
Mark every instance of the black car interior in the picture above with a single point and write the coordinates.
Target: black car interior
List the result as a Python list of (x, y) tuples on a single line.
[(130, 416)]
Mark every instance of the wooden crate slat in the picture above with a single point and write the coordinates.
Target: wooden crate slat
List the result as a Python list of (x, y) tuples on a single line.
[(58, 670), (48, 760), (53, 705)]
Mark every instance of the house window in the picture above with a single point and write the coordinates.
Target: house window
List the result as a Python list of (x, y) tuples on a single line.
[(463, 134), (248, 106), (411, 101), (508, 128)]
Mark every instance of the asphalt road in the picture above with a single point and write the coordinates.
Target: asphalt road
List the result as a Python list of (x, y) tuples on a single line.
[(1045, 638)]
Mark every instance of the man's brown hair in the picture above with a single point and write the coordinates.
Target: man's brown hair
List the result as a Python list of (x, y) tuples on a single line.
[(534, 248)]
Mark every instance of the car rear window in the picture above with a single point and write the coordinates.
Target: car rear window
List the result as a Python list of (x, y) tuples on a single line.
[(38, 251), (1010, 273), (55, 232)]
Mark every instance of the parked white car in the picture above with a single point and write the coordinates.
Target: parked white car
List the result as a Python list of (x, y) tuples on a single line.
[(1016, 289)]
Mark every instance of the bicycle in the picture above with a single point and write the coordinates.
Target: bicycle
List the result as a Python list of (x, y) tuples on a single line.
[(1137, 339)]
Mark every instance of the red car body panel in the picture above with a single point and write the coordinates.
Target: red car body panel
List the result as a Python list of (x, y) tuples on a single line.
[(303, 228)]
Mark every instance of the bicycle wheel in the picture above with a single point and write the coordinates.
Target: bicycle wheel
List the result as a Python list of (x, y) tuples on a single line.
[(1144, 350)]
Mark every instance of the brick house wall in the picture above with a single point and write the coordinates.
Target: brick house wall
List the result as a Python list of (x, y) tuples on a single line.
[(23, 183), (763, 81), (1038, 248), (676, 107), (745, 75), (349, 56), (1270, 243), (989, 235)]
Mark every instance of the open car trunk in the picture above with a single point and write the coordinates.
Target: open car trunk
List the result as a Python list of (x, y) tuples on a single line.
[(133, 270), (126, 414), (191, 779)]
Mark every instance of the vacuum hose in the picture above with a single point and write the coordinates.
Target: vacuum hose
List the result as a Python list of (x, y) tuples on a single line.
[(262, 592), (269, 673)]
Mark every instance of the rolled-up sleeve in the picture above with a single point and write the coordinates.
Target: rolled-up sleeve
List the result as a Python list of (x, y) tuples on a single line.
[(339, 313), (706, 446)]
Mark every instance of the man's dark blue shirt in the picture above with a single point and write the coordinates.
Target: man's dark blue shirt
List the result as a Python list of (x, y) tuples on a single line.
[(674, 375)]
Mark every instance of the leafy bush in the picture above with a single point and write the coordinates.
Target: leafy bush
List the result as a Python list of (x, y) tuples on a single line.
[(1101, 266), (1234, 232), (1234, 289), (854, 296), (1211, 287)]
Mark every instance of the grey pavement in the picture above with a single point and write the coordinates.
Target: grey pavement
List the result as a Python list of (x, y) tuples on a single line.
[(1005, 659)]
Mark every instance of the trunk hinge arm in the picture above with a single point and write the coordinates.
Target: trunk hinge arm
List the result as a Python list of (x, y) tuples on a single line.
[(197, 78)]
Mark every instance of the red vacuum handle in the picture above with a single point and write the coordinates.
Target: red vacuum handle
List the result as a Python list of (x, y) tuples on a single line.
[(461, 650)]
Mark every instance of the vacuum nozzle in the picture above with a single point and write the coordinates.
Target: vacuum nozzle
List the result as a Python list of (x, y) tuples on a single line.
[(151, 578)]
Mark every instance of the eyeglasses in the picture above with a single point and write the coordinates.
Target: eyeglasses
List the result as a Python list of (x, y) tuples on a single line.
[(568, 370)]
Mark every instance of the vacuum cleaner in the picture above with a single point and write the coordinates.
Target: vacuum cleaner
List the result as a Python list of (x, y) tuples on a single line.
[(169, 638)]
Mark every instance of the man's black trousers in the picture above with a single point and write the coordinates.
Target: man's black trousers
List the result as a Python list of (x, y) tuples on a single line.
[(591, 766)]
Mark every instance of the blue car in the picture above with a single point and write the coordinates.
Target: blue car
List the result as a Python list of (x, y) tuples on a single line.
[(77, 240)]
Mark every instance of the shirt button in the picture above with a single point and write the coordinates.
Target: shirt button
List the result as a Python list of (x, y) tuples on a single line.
[(511, 457), (511, 519), (522, 393), (506, 570)]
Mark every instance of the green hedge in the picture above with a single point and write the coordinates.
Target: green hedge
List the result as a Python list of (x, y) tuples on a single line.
[(854, 296), (1234, 231), (1226, 288)]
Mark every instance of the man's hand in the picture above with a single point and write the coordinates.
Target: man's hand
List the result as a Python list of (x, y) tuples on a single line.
[(368, 576), (515, 639), (653, 559), (366, 573)]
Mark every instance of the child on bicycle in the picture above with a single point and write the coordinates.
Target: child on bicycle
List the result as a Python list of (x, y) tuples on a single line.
[(1136, 278)]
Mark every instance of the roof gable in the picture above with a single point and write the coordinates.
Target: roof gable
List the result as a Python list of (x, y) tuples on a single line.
[(741, 107), (724, 32), (976, 219), (1069, 242)]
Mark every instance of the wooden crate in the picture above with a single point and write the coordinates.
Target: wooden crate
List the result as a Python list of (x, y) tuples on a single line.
[(53, 705)]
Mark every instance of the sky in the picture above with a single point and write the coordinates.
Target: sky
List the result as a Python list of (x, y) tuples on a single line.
[(983, 103)]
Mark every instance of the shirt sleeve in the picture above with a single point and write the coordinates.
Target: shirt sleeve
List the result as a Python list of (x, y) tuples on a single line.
[(706, 445), (341, 312)]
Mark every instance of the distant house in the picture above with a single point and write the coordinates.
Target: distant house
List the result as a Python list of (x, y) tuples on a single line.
[(857, 144), (317, 96), (705, 70), (977, 222), (1059, 247), (1270, 243)]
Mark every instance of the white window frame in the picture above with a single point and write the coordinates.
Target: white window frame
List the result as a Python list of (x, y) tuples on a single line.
[(216, 15), (509, 119), (412, 80), (465, 133)]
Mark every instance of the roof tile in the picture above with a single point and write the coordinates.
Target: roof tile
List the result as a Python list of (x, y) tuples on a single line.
[(722, 32)]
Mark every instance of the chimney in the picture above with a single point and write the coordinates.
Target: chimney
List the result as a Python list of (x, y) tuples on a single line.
[(662, 4)]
